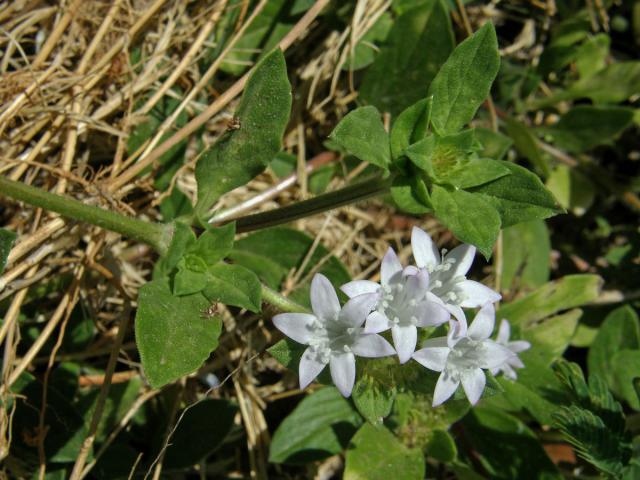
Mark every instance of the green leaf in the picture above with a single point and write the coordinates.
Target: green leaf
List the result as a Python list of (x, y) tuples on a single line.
[(187, 281), (201, 430), (361, 133), (620, 331), (182, 238), (527, 264), (626, 368), (573, 190), (410, 127), (418, 44), (233, 285), (569, 292), (519, 197), (173, 337), (464, 81), (591, 56), (474, 172), (442, 447), (527, 145), (471, 218), (410, 194), (214, 244), (585, 126), (376, 454), (506, 447), (372, 398), (320, 426), (551, 337), (242, 153), (7, 238), (494, 144)]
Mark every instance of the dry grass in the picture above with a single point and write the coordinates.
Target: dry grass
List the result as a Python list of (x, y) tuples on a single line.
[(70, 96)]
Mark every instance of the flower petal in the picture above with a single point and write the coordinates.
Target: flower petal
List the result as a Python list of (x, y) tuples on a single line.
[(376, 323), (309, 368), (493, 355), (518, 346), (476, 294), (433, 358), (416, 285), (473, 383), (324, 300), (445, 387), (509, 372), (425, 251), (372, 346), (457, 312), (404, 339), (359, 287), (390, 266), (430, 314), (343, 372), (463, 256), (504, 332), (482, 326), (296, 326), (515, 362), (356, 310)]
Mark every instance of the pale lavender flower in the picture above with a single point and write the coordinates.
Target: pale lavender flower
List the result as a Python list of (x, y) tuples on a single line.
[(516, 346), (334, 335), (447, 274), (403, 303), (461, 356)]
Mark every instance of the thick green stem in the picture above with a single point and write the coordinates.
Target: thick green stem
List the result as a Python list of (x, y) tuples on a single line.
[(281, 302), (155, 234), (313, 206)]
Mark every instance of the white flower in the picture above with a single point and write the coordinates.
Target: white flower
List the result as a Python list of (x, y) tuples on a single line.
[(517, 346), (334, 335), (447, 274), (403, 303), (462, 355)]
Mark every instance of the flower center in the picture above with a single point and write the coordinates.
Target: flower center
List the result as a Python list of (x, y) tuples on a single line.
[(331, 337), (396, 304)]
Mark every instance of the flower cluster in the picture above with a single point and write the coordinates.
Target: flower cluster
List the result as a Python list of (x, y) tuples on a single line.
[(430, 293)]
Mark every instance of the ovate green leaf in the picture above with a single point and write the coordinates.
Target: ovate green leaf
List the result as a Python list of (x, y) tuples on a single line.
[(361, 133), (464, 81), (527, 263), (242, 153), (233, 285), (173, 337), (410, 126)]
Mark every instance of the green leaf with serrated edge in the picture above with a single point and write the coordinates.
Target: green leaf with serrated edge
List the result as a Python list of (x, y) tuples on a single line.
[(372, 398), (7, 238), (464, 81), (361, 133), (215, 243), (569, 292), (320, 426), (182, 238), (528, 264), (233, 285), (587, 126), (405, 192), (495, 145), (626, 368), (376, 454), (173, 337), (418, 44), (518, 197), (619, 331), (520, 454), (471, 218), (527, 145), (410, 127), (201, 430), (242, 153)]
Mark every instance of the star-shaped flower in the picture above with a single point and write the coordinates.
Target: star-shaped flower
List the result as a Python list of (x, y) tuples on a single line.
[(462, 355), (447, 274), (334, 335), (403, 303), (516, 346)]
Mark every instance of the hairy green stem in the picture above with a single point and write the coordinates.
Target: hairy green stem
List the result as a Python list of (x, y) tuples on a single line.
[(313, 206), (155, 234), (281, 302)]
